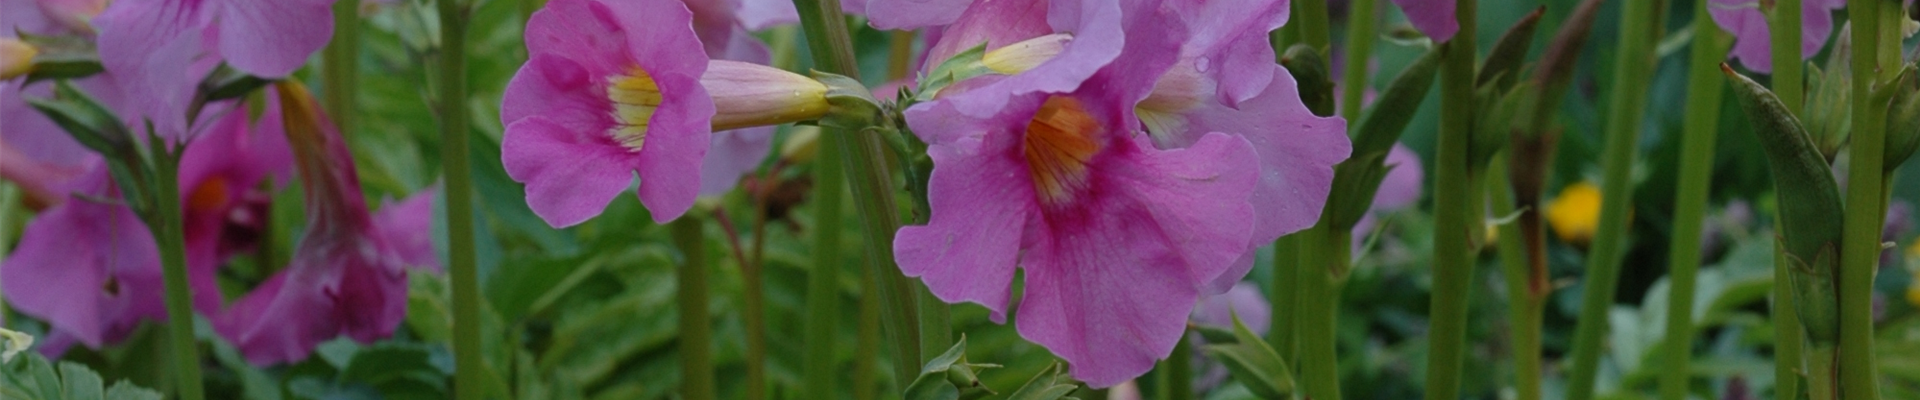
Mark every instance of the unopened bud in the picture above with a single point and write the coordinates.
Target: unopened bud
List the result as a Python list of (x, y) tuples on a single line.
[(1020, 57), (748, 95), (1903, 121), (16, 58)]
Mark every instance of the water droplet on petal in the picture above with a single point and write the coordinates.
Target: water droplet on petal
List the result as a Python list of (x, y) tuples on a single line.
[(1202, 64)]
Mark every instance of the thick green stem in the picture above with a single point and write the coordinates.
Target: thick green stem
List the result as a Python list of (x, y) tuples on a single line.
[(1324, 255), (1453, 210), (1788, 335), (1783, 35), (1860, 244), (1360, 34), (823, 283), (1178, 373), (469, 368), (1690, 198), (873, 193), (1634, 64), (1821, 383), (1311, 15), (170, 231), (1283, 329), (341, 71), (696, 326), (866, 350), (1524, 302), (754, 305)]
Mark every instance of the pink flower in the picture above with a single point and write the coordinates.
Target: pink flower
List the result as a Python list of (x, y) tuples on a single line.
[(1752, 45), (1117, 238), (614, 89), (348, 273), (1432, 17), (96, 294), (1091, 31), (266, 38)]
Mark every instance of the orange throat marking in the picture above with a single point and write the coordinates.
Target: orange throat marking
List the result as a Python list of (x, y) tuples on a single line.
[(1058, 144)]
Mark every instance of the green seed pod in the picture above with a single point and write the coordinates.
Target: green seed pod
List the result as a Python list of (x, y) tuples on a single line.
[(1810, 211), (1903, 120)]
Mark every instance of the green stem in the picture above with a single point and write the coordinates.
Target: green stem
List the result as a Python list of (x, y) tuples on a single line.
[(872, 179), (1820, 379), (1784, 37), (823, 283), (1690, 198), (754, 306), (469, 371), (1524, 303), (1360, 34), (1324, 255), (1312, 17), (169, 229), (1179, 373), (1283, 329), (696, 326), (341, 71), (1634, 64), (1784, 24), (1860, 244), (866, 351), (1453, 210), (1788, 336)]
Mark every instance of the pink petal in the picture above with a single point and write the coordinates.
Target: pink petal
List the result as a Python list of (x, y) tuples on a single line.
[(407, 226), (1432, 17), (979, 191), (273, 38), (907, 14), (568, 179), (733, 154)]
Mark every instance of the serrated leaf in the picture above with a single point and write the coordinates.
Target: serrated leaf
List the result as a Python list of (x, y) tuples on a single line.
[(81, 383)]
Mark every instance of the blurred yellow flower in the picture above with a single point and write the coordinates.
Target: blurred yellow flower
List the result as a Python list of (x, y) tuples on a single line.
[(1575, 213), (1913, 294)]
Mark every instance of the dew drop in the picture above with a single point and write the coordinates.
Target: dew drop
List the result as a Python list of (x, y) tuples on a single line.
[(1202, 64)]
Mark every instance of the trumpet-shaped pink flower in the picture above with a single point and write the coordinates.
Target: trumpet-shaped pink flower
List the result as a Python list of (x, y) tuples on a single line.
[(614, 89), (1432, 17), (348, 273), (1096, 39), (1117, 238), (1752, 44), (610, 90), (96, 294)]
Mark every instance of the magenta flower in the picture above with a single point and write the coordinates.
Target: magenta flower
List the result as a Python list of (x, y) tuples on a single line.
[(618, 88), (1751, 43), (1432, 17), (1297, 149), (262, 38), (95, 295), (1117, 238), (1230, 44), (909, 14), (348, 273)]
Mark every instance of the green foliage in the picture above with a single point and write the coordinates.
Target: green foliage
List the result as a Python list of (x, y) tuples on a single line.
[(1253, 363), (31, 377)]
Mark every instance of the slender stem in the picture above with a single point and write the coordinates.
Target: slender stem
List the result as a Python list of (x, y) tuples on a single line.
[(866, 348), (1312, 17), (696, 327), (872, 187), (1360, 34), (170, 230), (752, 303), (1784, 39), (823, 283), (1324, 255), (1821, 381), (1690, 198), (1860, 244), (1179, 372), (468, 370), (1789, 338), (341, 71), (1524, 304), (1453, 208), (1283, 329), (1634, 64)]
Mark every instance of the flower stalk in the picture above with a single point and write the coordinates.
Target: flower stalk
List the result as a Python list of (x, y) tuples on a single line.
[(469, 370), (170, 230), (696, 326), (823, 282), (1454, 211), (1690, 198), (340, 71), (1640, 27), (1360, 35), (1784, 31), (1324, 260), (1865, 197), (871, 175), (1524, 303)]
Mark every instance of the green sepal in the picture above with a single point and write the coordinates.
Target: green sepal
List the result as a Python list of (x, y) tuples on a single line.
[(1828, 111), (1502, 65), (1214, 335), (64, 66), (963, 65), (1395, 107), (850, 106), (1310, 71), (1051, 384), (1815, 298), (1903, 119), (1355, 181), (222, 84), (1493, 129), (949, 377), (1810, 207), (1253, 363)]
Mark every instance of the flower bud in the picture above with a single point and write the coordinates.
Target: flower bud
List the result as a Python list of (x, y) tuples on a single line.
[(749, 95), (1903, 121), (1020, 57), (16, 58)]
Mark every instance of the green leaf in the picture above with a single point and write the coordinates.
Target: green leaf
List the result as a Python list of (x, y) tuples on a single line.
[(1253, 363), (1502, 66), (30, 376), (949, 377), (1051, 384), (966, 64), (81, 383), (127, 391)]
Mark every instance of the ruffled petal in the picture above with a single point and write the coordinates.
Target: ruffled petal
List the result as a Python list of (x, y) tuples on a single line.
[(1432, 17), (908, 14), (1098, 40), (1110, 284), (273, 38), (96, 292), (584, 31), (1230, 41), (407, 226), (981, 197), (568, 179)]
